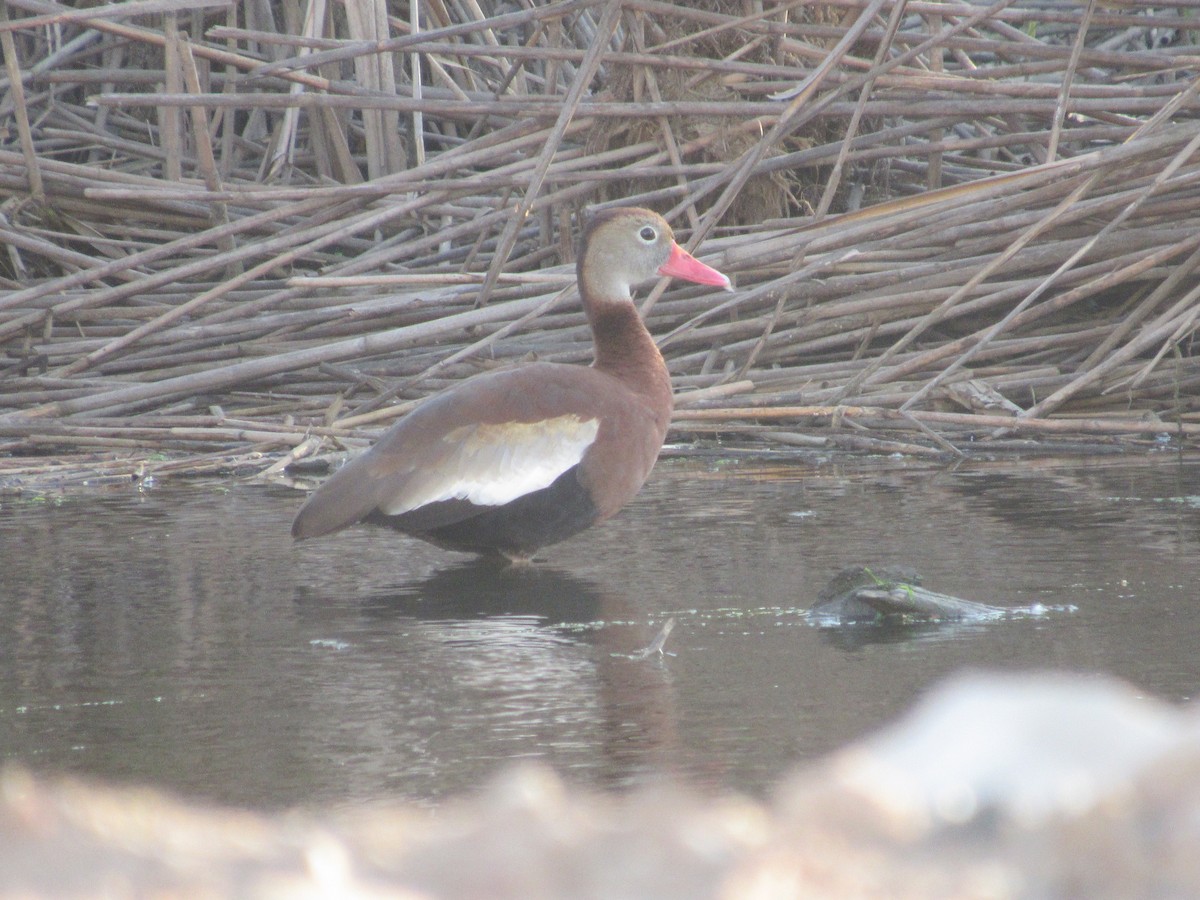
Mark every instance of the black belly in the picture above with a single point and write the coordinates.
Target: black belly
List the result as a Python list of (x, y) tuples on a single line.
[(516, 529)]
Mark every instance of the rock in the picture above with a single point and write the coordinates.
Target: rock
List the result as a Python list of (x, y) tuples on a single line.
[(1006, 786)]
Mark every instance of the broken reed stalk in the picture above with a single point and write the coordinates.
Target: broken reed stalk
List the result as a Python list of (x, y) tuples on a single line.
[(266, 237)]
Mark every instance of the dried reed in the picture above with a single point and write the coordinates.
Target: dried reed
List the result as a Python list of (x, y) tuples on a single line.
[(237, 233)]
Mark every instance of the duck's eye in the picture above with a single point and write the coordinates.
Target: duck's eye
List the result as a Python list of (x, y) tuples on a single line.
[(648, 234)]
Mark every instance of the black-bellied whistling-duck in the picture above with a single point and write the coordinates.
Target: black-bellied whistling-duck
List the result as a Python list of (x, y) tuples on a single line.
[(511, 461)]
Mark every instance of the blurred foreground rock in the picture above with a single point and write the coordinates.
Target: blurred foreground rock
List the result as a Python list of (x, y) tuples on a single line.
[(994, 786)]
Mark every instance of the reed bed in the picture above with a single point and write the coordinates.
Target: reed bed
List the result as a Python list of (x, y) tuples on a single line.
[(239, 233)]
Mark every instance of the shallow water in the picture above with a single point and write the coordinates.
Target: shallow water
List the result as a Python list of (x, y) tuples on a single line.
[(175, 636)]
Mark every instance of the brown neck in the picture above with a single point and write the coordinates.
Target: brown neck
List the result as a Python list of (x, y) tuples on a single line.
[(625, 350)]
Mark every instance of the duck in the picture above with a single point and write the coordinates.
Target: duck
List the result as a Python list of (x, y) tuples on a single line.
[(514, 460)]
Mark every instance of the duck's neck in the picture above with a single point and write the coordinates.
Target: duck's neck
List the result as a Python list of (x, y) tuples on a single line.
[(625, 350)]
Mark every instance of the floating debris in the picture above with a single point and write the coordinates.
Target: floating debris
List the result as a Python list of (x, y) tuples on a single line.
[(329, 644), (655, 647)]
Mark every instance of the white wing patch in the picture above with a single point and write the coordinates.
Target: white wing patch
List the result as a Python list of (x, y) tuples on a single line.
[(493, 464)]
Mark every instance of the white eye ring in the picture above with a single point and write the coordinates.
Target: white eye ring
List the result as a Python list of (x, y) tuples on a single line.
[(648, 234)]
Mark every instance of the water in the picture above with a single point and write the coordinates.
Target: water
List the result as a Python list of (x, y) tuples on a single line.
[(175, 636)]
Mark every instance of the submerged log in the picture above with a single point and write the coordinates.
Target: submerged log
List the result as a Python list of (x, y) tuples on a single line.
[(892, 594)]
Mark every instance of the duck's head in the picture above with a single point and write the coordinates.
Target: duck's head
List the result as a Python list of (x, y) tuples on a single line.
[(626, 246)]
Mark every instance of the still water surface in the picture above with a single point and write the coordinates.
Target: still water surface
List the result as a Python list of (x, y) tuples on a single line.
[(175, 636)]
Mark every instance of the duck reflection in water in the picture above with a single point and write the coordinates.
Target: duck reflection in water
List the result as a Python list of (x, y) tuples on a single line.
[(537, 639)]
